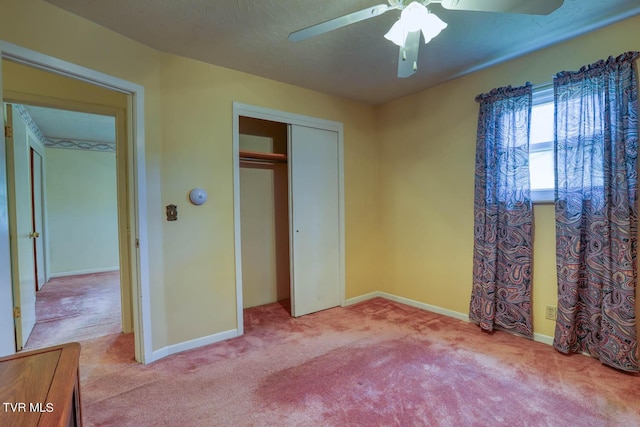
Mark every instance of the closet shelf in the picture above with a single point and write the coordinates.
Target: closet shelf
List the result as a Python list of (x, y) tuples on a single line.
[(261, 156)]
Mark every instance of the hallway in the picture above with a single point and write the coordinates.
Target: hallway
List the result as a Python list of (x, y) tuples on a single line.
[(76, 308)]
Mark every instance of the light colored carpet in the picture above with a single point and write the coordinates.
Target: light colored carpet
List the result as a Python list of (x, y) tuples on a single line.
[(76, 308), (377, 363)]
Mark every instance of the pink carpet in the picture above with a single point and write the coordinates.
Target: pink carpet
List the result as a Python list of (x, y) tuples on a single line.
[(377, 363), (76, 308)]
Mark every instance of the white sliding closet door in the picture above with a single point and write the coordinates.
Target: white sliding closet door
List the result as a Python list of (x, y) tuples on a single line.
[(315, 219)]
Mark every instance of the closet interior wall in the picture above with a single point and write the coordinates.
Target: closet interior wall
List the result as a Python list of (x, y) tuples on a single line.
[(264, 212)]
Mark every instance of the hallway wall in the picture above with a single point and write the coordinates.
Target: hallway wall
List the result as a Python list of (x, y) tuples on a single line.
[(81, 211)]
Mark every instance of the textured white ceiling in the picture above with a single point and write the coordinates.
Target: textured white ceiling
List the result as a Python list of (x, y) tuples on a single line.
[(74, 126), (356, 61)]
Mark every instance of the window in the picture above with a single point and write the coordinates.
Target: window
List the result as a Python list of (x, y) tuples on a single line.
[(541, 139)]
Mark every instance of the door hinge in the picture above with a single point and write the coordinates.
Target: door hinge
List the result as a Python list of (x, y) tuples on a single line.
[(16, 312), (8, 131), (137, 243)]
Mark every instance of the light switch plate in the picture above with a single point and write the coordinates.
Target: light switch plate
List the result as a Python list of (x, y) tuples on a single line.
[(172, 213)]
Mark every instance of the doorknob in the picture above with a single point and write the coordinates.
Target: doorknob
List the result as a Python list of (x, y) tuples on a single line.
[(34, 235)]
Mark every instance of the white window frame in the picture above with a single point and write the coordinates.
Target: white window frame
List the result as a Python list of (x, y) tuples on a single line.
[(542, 94)]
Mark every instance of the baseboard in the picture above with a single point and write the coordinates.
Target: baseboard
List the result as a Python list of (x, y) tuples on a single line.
[(233, 333), (80, 272), (410, 302), (190, 345), (545, 339), (362, 298)]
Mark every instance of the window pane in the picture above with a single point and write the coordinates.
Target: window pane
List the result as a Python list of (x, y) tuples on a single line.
[(541, 123), (541, 170)]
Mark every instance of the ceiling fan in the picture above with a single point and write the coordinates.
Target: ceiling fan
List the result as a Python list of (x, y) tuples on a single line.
[(415, 18)]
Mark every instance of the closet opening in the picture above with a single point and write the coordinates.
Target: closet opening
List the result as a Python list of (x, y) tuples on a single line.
[(264, 213)]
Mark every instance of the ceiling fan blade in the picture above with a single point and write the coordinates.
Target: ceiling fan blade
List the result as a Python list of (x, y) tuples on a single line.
[(533, 7), (408, 57), (336, 23)]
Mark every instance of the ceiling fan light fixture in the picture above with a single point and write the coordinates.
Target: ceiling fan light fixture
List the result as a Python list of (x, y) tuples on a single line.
[(415, 17), (397, 34)]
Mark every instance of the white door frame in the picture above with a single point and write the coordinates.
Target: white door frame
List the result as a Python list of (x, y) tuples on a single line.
[(137, 175), (7, 325), (36, 145), (251, 111)]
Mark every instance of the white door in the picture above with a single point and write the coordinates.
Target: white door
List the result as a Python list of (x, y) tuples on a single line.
[(7, 333), (315, 219), (20, 226), (38, 216)]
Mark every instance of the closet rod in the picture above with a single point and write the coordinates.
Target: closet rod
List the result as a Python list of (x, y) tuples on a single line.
[(261, 156)]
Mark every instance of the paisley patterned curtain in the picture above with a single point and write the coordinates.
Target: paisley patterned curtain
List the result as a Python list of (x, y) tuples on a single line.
[(596, 210), (501, 294)]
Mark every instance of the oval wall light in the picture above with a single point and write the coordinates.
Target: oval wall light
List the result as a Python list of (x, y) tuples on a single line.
[(198, 196)]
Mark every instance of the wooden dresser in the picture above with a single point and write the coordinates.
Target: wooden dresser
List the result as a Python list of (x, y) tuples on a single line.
[(41, 387)]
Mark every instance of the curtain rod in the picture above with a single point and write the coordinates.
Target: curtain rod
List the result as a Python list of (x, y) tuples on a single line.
[(543, 86)]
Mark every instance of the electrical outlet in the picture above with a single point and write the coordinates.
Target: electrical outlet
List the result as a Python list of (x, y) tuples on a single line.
[(551, 313)]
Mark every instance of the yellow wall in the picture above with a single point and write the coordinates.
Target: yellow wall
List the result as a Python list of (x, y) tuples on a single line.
[(196, 117), (427, 177), (188, 113), (26, 80)]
